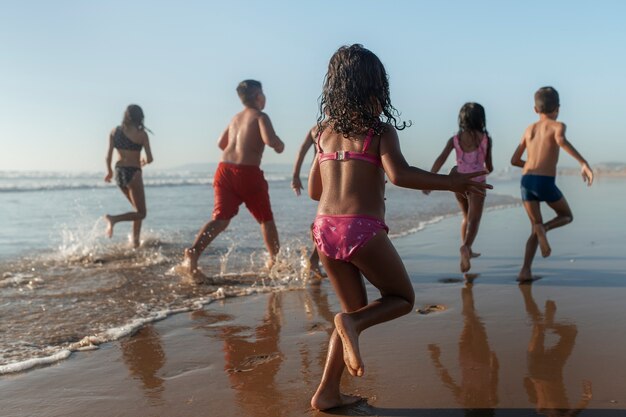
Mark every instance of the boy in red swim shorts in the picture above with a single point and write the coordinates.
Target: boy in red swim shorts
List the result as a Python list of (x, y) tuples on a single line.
[(238, 178)]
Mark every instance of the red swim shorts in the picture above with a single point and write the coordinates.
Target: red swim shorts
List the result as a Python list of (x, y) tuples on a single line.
[(235, 184)]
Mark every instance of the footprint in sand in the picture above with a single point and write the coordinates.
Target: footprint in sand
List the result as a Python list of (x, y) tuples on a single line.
[(433, 308), (251, 362)]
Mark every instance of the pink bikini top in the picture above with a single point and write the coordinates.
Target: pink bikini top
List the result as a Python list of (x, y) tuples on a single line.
[(347, 155), (471, 161)]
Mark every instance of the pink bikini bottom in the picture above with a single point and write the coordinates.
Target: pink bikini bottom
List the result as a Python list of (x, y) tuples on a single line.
[(340, 236)]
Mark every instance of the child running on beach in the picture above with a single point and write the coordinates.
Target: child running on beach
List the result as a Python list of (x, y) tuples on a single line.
[(357, 145), (472, 145), (296, 185), (129, 139), (238, 178), (542, 141)]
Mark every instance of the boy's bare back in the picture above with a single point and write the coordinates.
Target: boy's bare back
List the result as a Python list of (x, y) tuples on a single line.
[(244, 140), (543, 140)]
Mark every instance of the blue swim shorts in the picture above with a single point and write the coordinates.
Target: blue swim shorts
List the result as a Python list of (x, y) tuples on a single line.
[(540, 188)]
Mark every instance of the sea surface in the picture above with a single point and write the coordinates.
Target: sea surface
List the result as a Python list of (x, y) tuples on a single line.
[(65, 287)]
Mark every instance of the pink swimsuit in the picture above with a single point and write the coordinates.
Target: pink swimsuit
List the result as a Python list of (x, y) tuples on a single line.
[(340, 236), (473, 161)]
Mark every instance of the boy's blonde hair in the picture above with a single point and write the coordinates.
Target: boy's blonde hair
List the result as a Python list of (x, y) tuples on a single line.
[(546, 100), (247, 90)]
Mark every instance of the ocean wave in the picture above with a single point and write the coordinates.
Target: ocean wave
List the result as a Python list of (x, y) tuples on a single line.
[(34, 184)]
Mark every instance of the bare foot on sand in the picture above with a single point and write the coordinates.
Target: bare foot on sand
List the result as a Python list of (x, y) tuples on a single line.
[(325, 402), (317, 272), (109, 231), (525, 276), (540, 232), (269, 264), (191, 257), (465, 258), (350, 340)]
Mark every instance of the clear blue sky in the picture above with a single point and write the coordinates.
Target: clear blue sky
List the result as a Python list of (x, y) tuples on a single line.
[(69, 68)]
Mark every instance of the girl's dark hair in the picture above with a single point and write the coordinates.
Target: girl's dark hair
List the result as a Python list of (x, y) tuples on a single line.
[(134, 116), (472, 117), (355, 96)]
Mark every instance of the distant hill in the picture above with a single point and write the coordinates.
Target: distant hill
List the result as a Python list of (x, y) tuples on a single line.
[(607, 169)]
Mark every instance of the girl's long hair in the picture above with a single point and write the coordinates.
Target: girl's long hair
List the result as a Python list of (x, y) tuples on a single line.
[(472, 119), (355, 96), (134, 116)]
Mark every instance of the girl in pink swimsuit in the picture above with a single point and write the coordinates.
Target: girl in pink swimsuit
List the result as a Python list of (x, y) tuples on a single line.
[(472, 145), (357, 146)]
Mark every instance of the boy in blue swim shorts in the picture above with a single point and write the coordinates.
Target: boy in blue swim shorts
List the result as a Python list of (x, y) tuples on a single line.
[(541, 142)]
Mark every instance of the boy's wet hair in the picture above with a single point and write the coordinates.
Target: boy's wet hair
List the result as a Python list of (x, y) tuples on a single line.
[(134, 116), (546, 100), (247, 90), (472, 117), (356, 93)]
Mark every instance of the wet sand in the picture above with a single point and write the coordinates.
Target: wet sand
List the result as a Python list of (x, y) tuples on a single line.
[(495, 348)]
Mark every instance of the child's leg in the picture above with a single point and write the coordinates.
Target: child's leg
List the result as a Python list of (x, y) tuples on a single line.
[(563, 214), (270, 236), (534, 214), (352, 296), (463, 201), (475, 213), (381, 265), (204, 237), (135, 195), (464, 206), (138, 199)]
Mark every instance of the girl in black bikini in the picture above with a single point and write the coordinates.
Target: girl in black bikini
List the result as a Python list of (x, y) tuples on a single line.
[(129, 139)]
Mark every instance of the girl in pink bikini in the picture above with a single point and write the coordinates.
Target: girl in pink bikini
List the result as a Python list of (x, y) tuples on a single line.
[(357, 146), (472, 145)]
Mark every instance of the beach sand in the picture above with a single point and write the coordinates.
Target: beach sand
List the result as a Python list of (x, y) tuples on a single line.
[(496, 348)]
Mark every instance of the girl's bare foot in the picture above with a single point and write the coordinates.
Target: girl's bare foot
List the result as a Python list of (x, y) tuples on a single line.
[(325, 402), (465, 258), (474, 254), (192, 258), (350, 340), (109, 231), (540, 232)]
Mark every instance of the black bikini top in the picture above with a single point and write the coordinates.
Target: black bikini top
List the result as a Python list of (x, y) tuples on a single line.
[(121, 141)]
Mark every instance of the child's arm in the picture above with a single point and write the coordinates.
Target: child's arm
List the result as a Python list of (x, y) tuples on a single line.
[(222, 142), (296, 184), (146, 147), (488, 159), (401, 174), (516, 159), (315, 181), (441, 159), (268, 135), (561, 140), (109, 158)]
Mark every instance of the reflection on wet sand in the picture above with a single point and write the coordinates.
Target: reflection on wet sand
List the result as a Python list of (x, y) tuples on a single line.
[(252, 354), (544, 383), (477, 391), (144, 357)]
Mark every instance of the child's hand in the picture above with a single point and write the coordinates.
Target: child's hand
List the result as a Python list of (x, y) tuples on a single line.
[(280, 146), (108, 177), (587, 174), (463, 183), (296, 185)]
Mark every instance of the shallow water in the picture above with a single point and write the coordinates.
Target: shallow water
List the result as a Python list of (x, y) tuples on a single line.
[(64, 286)]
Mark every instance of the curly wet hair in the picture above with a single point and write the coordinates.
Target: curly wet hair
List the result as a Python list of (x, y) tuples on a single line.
[(355, 96)]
